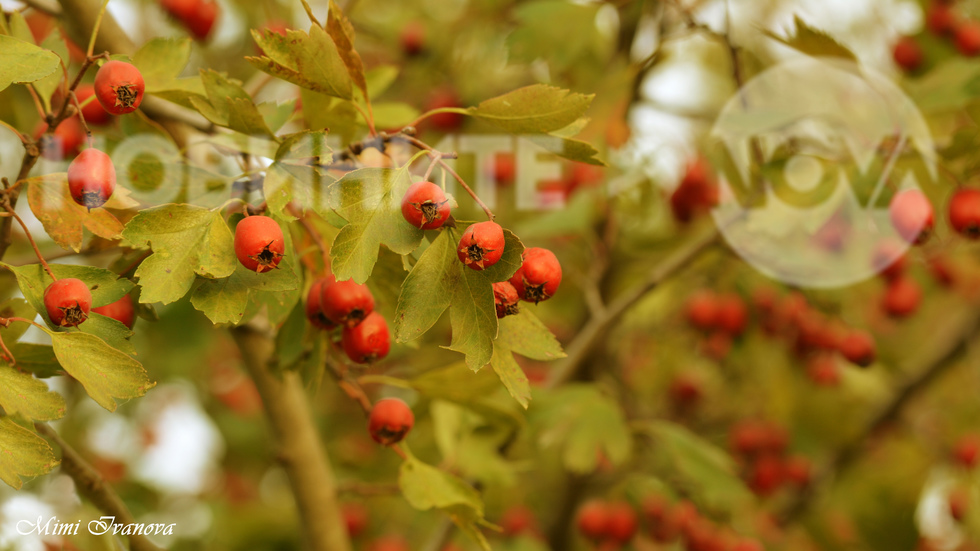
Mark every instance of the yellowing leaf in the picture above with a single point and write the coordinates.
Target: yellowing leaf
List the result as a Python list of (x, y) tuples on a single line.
[(63, 219), (23, 62), (22, 394), (22, 454), (106, 373), (310, 61), (535, 109), (813, 42)]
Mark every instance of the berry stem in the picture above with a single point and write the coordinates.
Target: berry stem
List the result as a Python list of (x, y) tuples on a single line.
[(21, 137), (368, 119), (25, 320), (422, 145), (27, 232), (3, 345), (436, 111), (38, 104), (314, 235), (436, 157), (95, 30)]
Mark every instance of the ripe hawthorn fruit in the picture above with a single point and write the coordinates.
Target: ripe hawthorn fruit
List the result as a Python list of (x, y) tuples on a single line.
[(702, 310), (967, 451), (68, 302), (202, 21), (967, 38), (481, 246), (119, 87), (889, 259), (959, 503), (425, 206), (697, 192), (314, 311), (502, 168), (964, 212), (412, 38), (368, 341), (346, 303), (766, 475), (686, 391), (798, 471), (505, 299), (940, 19), (518, 520), (733, 315), (445, 122), (93, 112), (91, 178), (912, 215), (660, 522), (64, 142), (823, 370), (355, 518), (390, 420), (121, 310), (259, 243), (902, 297), (592, 520), (621, 523), (858, 347), (538, 277)]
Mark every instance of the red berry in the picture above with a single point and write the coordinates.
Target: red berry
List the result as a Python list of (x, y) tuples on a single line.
[(505, 299), (798, 471), (517, 520), (68, 302), (717, 346), (902, 298), (940, 19), (968, 38), (967, 450), (425, 206), (121, 310), (388, 543), (91, 178), (702, 310), (942, 271), (889, 259), (502, 168), (64, 142), (259, 243), (93, 111), (823, 370), (445, 122), (964, 212), (355, 518), (697, 192), (621, 523), (747, 438), (482, 245), (912, 215), (732, 314), (412, 38), (686, 391), (660, 522), (346, 303), (858, 347), (592, 520), (180, 9), (201, 22), (685, 517), (119, 87), (538, 277), (390, 420), (314, 311), (368, 341), (766, 475), (959, 503)]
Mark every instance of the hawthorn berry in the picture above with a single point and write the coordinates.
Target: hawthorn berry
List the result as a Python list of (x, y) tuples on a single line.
[(425, 206), (823, 370), (959, 503), (505, 298), (502, 168), (201, 23), (368, 341), (967, 451), (91, 178), (592, 520), (747, 438), (702, 310), (686, 391), (766, 475), (481, 246), (912, 215), (259, 243), (902, 297), (93, 112), (68, 302), (66, 139), (732, 314), (346, 303), (538, 277), (940, 19), (445, 122), (798, 471), (119, 87), (412, 38), (121, 310), (314, 311), (889, 259), (660, 522), (964, 212), (621, 522), (390, 420), (518, 520), (858, 347), (697, 192), (967, 38), (355, 518)]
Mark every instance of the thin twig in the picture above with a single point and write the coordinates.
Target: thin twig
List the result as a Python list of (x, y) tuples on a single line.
[(95, 29), (422, 145), (30, 238)]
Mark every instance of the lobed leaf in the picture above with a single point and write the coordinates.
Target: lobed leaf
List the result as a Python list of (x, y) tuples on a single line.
[(64, 219), (22, 453), (106, 374), (23, 62)]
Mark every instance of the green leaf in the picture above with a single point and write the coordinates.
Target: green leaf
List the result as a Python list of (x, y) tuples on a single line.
[(229, 105), (342, 32), (524, 334), (22, 453), (23, 62), (369, 199), (106, 373), (426, 487), (573, 150), (186, 240), (63, 219), (22, 394), (106, 286), (474, 318), (37, 359), (511, 374), (535, 109), (393, 114), (47, 85), (310, 61), (286, 183), (813, 42), (161, 60), (15, 308)]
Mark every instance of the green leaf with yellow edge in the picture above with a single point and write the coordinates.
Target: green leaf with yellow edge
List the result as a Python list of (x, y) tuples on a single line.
[(813, 42), (23, 62), (106, 373), (308, 60), (186, 241), (369, 199), (22, 394), (64, 219), (535, 109), (22, 454)]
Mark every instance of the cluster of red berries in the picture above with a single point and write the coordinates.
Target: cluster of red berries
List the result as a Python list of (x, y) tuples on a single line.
[(696, 194), (667, 523), (760, 449), (943, 22), (68, 302), (331, 304), (721, 317), (197, 16), (609, 525)]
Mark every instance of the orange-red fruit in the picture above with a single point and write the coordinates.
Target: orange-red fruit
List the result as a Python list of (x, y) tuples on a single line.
[(858, 347), (902, 297), (766, 475), (502, 167), (119, 87), (518, 520), (121, 310), (538, 277), (355, 518), (702, 310), (505, 299), (964, 212), (259, 243), (912, 216), (425, 206), (697, 192), (967, 38), (660, 519), (390, 420), (732, 314), (967, 450), (412, 38), (823, 370), (93, 111), (368, 341), (890, 259), (940, 19), (959, 503), (621, 523), (592, 520), (445, 122), (64, 142), (346, 303), (201, 23), (314, 310), (481, 246), (91, 178), (68, 302), (686, 391), (798, 471)]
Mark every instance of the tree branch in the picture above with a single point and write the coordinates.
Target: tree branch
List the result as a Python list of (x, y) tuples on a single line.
[(93, 487), (300, 450)]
